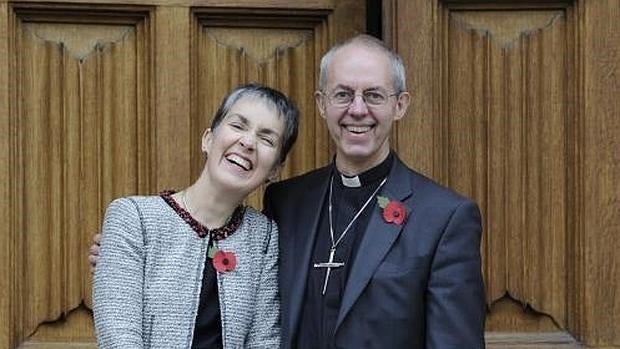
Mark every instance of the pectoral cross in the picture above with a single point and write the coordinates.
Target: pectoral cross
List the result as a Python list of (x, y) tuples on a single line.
[(329, 265)]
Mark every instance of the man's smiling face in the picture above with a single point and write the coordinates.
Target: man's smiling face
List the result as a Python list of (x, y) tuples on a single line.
[(361, 132)]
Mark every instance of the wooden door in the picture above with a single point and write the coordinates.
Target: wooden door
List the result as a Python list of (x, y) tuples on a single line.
[(515, 103), (110, 98)]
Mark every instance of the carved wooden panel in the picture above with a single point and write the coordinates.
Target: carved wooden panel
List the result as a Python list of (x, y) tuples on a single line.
[(79, 117), (505, 141), (512, 105)]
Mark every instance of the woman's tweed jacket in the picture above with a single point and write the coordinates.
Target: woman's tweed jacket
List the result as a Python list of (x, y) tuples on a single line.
[(148, 279)]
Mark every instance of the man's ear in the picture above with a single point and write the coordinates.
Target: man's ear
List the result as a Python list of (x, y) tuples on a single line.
[(207, 140), (319, 98), (402, 104)]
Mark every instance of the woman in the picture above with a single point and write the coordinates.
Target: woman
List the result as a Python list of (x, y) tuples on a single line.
[(195, 268)]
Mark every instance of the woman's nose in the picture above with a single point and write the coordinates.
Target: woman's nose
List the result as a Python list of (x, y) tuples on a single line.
[(247, 141)]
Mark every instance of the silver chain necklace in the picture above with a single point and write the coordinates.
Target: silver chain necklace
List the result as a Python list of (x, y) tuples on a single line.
[(359, 212), (330, 264), (185, 203)]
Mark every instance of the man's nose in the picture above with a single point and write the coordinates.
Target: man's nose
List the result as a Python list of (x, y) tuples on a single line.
[(358, 105)]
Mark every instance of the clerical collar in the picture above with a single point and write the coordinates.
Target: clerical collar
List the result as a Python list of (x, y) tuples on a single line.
[(369, 176)]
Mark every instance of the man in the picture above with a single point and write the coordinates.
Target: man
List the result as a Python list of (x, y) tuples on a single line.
[(373, 254)]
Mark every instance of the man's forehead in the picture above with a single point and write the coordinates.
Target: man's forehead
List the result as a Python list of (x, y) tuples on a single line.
[(360, 83), (362, 79), (369, 87), (359, 66)]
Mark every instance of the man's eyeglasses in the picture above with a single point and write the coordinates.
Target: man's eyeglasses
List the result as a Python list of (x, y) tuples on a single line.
[(344, 98)]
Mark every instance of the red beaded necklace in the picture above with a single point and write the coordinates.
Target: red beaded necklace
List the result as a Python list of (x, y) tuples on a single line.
[(216, 234)]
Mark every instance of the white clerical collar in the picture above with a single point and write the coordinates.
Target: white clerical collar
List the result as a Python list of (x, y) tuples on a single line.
[(369, 176), (351, 182)]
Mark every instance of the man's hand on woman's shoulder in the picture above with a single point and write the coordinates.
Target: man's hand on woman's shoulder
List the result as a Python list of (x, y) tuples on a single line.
[(93, 252)]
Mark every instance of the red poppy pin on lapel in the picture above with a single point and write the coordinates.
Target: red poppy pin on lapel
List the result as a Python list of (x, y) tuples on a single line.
[(393, 211), (222, 261)]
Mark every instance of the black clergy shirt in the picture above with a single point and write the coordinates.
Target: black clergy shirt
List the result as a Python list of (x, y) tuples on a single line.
[(320, 312)]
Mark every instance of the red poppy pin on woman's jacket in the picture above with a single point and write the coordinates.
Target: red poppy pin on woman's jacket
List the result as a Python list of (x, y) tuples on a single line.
[(224, 261)]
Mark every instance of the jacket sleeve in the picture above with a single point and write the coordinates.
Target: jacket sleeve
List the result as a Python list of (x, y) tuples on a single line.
[(265, 331), (118, 280), (456, 308)]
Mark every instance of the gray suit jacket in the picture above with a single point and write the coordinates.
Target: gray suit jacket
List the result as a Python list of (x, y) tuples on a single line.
[(147, 282)]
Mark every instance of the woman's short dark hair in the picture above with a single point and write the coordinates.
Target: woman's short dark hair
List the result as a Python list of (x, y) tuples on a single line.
[(285, 108)]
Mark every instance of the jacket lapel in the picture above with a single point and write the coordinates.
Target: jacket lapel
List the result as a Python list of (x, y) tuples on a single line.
[(378, 239), (308, 221)]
